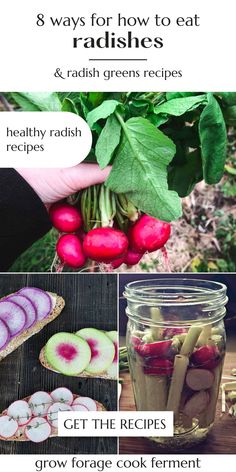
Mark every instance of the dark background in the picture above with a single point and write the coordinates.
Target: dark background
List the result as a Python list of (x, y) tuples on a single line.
[(91, 301)]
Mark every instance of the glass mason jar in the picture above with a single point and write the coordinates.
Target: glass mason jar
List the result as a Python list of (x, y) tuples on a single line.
[(176, 347)]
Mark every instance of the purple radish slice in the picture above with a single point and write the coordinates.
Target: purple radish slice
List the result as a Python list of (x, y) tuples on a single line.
[(89, 403), (41, 300), (4, 334), (38, 430), (52, 414), (196, 404), (8, 427), (62, 395), (199, 379), (20, 411), (39, 403), (27, 306), (14, 316), (79, 408)]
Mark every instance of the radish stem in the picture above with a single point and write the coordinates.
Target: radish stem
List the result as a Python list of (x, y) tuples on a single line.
[(190, 340), (177, 382)]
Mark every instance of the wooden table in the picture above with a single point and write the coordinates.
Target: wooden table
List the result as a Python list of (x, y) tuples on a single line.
[(91, 301), (221, 440)]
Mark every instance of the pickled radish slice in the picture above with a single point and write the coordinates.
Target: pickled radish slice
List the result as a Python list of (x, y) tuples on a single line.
[(38, 430), (20, 411), (89, 403), (62, 395), (158, 367), (79, 407), (4, 334), (52, 414), (157, 349), (206, 356), (13, 316), (8, 426), (196, 404), (39, 403), (199, 379)]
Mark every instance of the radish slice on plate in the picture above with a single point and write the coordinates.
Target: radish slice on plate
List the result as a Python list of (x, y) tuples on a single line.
[(39, 403), (8, 427), (62, 395), (4, 334), (52, 414), (41, 300), (13, 315), (89, 403), (79, 408), (38, 430), (20, 411), (27, 305)]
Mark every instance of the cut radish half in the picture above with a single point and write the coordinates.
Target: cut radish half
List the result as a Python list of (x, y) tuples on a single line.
[(41, 300), (89, 403), (79, 407), (14, 316), (102, 350), (156, 349), (4, 334), (8, 426), (62, 395), (199, 379), (196, 404), (27, 306), (39, 403), (52, 414), (38, 430), (67, 353), (20, 411)]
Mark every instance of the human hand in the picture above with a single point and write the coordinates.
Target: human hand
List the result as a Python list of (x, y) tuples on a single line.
[(52, 185)]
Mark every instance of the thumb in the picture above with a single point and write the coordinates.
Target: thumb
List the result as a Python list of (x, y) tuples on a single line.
[(84, 175)]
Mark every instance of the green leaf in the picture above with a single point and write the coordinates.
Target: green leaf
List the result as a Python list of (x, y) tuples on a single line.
[(179, 106), (213, 137), (140, 169), (231, 170), (228, 97), (42, 101), (183, 178), (68, 105), (108, 141), (103, 111), (171, 95)]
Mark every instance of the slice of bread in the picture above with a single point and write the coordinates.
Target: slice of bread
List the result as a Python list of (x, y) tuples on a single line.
[(20, 436), (58, 305)]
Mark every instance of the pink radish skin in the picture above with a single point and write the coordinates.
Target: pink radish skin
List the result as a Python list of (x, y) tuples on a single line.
[(62, 395), (40, 299), (28, 307), (156, 349), (135, 340), (8, 427), (132, 258), (39, 403), (38, 430), (79, 407), (20, 411), (70, 251), (13, 316), (148, 234), (199, 379), (89, 403), (4, 334), (158, 367), (105, 244), (65, 218), (52, 414), (207, 357), (196, 404)]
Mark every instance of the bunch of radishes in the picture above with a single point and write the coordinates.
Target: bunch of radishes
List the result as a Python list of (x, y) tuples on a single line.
[(107, 230)]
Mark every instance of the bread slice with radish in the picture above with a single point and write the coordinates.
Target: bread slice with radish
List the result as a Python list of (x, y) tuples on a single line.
[(35, 418), (25, 313)]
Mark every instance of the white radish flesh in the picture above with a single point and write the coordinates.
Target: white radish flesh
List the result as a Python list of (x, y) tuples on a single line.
[(199, 379), (196, 404), (20, 411), (112, 371), (4, 334), (79, 408), (89, 403), (38, 430), (8, 427), (62, 395), (14, 316), (52, 414), (41, 300), (39, 403), (27, 306)]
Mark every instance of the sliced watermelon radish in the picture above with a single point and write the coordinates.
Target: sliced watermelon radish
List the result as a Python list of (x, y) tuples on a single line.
[(8, 427), (52, 414), (199, 379), (39, 403), (14, 316), (68, 353), (62, 395), (41, 300), (112, 371), (20, 411), (28, 307), (102, 349), (4, 334), (38, 430), (79, 407), (89, 403), (156, 349)]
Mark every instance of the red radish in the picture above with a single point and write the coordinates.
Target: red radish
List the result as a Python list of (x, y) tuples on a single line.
[(199, 379), (156, 349), (20, 411), (105, 244), (148, 234), (70, 251), (132, 258), (64, 217), (4, 334), (117, 262), (81, 234), (158, 367), (89, 403), (8, 427), (39, 403), (135, 340), (52, 414), (206, 356), (62, 395), (40, 299), (28, 307), (79, 407), (196, 404), (13, 316), (38, 430)]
